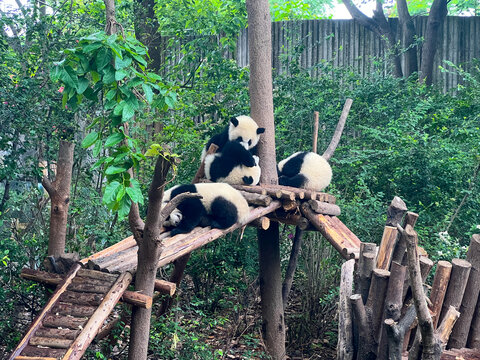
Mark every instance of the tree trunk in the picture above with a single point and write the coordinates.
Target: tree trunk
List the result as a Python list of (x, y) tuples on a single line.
[(409, 33), (437, 15), (59, 192), (6, 195), (146, 31), (261, 101), (149, 249)]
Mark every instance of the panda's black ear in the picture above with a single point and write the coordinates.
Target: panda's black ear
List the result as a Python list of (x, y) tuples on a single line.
[(260, 131), (234, 121)]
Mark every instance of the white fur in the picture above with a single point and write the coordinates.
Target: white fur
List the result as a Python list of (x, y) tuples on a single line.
[(315, 168), (209, 192), (238, 172), (247, 129)]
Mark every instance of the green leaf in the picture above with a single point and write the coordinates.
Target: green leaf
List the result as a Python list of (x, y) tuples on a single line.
[(140, 59), (82, 85), (95, 76), (103, 58), (115, 170), (121, 193), (64, 99), (148, 92), (98, 36), (119, 108), (135, 82), (124, 207), (120, 75), (90, 94), (92, 46), (55, 73), (122, 63), (100, 162), (127, 112), (89, 139), (110, 192), (69, 77), (135, 195), (154, 76), (116, 49), (114, 139), (169, 101), (97, 148), (111, 94), (108, 75)]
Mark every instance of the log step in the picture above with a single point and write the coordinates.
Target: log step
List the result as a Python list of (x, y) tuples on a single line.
[(74, 310), (55, 321), (81, 299), (54, 343), (57, 333), (35, 351), (34, 358)]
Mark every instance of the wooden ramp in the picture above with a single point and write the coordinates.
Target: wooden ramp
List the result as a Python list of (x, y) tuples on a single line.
[(73, 315)]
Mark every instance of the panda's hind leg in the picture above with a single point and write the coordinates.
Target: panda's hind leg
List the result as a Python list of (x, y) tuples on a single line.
[(297, 181), (192, 213), (223, 213)]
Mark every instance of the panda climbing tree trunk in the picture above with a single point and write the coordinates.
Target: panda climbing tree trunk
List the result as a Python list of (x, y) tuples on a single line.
[(261, 102)]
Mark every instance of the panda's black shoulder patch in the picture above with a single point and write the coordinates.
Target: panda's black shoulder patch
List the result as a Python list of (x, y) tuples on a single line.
[(292, 167), (183, 189), (218, 139)]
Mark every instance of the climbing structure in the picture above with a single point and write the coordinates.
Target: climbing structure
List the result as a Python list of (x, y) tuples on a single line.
[(85, 297)]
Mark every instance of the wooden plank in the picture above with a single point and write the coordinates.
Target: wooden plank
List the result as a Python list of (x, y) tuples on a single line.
[(342, 228), (38, 321), (34, 358), (81, 299), (62, 308), (88, 288), (34, 351), (54, 343), (57, 333), (94, 324), (98, 275), (173, 251), (63, 321), (121, 245)]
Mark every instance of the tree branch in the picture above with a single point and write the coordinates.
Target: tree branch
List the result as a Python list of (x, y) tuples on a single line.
[(338, 131)]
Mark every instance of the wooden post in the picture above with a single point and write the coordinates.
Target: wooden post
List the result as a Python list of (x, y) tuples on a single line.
[(400, 249), (385, 251), (315, 131), (365, 266), (376, 299), (459, 336), (425, 323), (366, 349), (345, 348), (393, 305), (439, 288), (396, 333), (446, 326), (456, 285)]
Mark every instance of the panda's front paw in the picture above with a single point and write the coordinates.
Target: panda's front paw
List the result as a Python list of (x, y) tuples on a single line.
[(175, 218)]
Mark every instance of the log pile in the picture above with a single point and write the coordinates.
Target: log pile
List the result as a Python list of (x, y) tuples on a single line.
[(389, 313)]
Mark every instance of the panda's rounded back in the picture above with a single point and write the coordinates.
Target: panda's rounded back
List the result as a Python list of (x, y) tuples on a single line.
[(317, 170)]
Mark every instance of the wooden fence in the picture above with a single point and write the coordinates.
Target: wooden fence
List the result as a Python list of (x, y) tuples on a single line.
[(347, 43)]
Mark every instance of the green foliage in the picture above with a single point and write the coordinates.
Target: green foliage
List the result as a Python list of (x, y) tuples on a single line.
[(113, 69)]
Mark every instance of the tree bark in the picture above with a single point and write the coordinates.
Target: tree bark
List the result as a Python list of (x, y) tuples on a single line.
[(292, 265), (149, 249), (437, 15), (59, 192), (261, 109), (146, 31), (409, 33), (345, 349)]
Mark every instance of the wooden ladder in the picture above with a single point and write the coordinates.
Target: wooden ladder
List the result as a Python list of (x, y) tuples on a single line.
[(73, 315)]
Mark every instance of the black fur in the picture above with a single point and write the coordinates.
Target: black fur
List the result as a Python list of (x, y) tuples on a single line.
[(232, 155), (223, 213), (289, 175)]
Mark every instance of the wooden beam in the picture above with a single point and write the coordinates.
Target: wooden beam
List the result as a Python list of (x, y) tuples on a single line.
[(439, 289), (165, 287), (456, 285), (345, 349), (324, 208), (385, 251)]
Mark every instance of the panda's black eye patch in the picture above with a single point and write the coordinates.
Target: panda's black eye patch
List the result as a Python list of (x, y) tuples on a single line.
[(239, 139), (249, 142)]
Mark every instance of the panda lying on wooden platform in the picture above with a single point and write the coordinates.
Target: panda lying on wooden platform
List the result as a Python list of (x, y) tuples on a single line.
[(221, 206), (306, 170)]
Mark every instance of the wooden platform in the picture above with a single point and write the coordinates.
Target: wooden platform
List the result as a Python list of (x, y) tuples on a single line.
[(86, 296)]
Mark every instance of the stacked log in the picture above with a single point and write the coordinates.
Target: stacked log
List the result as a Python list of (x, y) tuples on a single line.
[(389, 311)]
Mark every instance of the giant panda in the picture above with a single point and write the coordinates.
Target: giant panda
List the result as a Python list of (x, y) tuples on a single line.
[(233, 165), (242, 129), (306, 170), (221, 206)]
